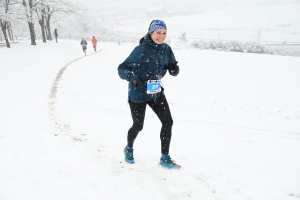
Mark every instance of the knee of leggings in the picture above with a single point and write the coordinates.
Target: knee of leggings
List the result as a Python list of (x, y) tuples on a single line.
[(137, 127), (168, 123)]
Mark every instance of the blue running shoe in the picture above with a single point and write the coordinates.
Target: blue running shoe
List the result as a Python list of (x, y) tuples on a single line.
[(128, 152), (168, 163)]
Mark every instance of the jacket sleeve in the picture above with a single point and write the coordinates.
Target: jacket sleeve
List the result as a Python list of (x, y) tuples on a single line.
[(172, 59), (126, 69)]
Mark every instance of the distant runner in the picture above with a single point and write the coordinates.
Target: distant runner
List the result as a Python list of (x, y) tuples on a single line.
[(56, 35), (94, 41), (84, 45)]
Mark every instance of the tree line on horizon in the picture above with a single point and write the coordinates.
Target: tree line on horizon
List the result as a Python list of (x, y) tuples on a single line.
[(31, 11)]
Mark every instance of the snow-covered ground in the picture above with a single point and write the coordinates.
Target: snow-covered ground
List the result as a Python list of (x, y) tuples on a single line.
[(64, 120)]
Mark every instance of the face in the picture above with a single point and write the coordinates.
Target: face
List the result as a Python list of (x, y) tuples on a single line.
[(159, 36)]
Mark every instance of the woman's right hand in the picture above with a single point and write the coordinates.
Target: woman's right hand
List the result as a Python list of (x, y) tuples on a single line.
[(135, 83)]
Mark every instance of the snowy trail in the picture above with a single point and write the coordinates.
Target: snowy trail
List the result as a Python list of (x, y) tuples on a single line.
[(54, 88), (91, 106)]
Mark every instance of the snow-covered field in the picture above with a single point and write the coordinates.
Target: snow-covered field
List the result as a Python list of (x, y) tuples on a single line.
[(64, 120), (276, 23)]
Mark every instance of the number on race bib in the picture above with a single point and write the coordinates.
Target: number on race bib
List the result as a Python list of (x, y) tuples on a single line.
[(153, 86)]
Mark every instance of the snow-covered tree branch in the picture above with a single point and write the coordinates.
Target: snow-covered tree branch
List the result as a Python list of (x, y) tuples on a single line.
[(57, 8), (5, 19)]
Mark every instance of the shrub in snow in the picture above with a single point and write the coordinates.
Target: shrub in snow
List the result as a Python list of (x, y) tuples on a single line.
[(182, 38), (254, 48), (249, 47)]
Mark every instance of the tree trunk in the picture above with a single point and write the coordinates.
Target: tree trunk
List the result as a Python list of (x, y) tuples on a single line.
[(3, 28), (42, 24), (32, 33), (46, 31), (29, 15), (49, 36), (10, 33)]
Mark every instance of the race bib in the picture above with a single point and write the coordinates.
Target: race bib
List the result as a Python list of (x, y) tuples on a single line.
[(153, 86)]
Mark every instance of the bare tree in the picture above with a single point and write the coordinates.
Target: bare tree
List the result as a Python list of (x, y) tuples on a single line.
[(40, 12), (29, 6), (4, 19), (57, 7)]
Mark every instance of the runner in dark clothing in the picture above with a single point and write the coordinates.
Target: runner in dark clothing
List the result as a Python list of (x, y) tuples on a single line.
[(84, 45), (56, 35), (143, 69)]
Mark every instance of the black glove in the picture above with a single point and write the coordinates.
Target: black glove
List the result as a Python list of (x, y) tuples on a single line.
[(135, 83), (173, 67)]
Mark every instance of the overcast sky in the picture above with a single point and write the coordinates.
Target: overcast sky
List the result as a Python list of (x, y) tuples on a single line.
[(177, 4), (154, 3)]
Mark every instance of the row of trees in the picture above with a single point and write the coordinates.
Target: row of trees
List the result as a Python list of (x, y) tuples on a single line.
[(31, 11)]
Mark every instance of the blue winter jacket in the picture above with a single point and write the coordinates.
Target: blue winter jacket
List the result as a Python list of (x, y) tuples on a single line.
[(148, 61)]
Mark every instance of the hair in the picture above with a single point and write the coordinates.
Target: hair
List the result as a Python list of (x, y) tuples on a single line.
[(148, 33), (143, 38)]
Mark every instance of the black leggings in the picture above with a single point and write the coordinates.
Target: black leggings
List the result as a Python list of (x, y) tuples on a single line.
[(162, 110)]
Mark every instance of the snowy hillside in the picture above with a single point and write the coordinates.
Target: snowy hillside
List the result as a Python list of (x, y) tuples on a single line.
[(64, 120), (276, 23)]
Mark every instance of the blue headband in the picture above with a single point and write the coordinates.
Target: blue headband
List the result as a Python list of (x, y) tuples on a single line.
[(157, 24)]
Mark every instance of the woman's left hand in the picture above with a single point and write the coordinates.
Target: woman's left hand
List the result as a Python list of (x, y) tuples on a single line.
[(173, 67)]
